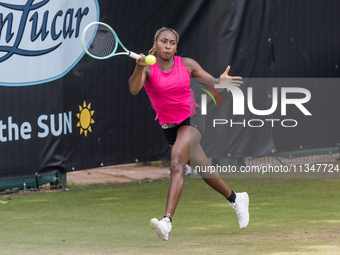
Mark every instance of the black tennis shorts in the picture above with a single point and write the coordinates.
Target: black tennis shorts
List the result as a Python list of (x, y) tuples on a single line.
[(197, 121)]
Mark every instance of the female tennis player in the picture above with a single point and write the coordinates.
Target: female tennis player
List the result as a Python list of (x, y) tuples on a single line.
[(167, 84)]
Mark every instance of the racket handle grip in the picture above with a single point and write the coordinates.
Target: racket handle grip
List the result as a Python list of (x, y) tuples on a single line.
[(134, 55)]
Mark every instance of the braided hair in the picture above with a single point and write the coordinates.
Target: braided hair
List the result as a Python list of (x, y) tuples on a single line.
[(152, 51)]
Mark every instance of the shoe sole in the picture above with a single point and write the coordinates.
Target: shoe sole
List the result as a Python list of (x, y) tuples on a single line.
[(158, 231), (247, 199)]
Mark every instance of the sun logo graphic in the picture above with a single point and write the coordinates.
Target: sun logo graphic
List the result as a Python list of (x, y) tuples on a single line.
[(85, 118), (204, 97)]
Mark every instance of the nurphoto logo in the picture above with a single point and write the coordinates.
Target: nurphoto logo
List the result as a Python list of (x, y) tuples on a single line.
[(302, 97)]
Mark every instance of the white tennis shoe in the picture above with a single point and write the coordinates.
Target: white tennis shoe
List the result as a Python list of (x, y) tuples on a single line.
[(241, 207), (162, 227)]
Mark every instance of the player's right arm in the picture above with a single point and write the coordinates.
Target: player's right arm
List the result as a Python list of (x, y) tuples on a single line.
[(139, 76)]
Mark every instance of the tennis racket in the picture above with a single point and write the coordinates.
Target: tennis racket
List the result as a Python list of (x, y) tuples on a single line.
[(100, 41)]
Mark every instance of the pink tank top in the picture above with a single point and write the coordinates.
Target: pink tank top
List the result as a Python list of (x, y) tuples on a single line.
[(170, 93)]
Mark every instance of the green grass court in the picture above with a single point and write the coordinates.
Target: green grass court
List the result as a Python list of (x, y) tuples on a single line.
[(287, 216)]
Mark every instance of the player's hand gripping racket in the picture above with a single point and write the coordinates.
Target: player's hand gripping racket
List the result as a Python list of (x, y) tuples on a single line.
[(100, 41)]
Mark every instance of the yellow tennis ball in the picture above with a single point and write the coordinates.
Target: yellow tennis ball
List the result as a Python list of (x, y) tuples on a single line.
[(150, 59)]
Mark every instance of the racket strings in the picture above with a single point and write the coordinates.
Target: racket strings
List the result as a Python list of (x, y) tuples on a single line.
[(103, 43)]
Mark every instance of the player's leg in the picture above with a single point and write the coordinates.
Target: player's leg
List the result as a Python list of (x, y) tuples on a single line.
[(238, 201), (187, 138), (180, 154), (199, 159)]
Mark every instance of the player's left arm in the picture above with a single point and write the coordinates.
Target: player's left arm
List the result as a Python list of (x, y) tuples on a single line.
[(198, 72)]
